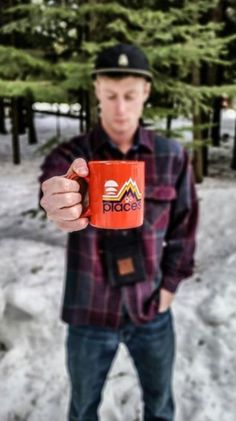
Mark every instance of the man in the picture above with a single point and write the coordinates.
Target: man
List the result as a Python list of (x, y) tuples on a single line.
[(100, 315)]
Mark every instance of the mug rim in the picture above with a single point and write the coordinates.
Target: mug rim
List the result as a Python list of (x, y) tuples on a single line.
[(119, 162)]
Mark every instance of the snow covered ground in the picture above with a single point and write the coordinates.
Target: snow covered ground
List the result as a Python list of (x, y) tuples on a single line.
[(33, 381)]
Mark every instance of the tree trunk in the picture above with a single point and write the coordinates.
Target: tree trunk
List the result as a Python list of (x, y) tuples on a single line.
[(29, 100), (87, 111), (21, 115), (15, 130), (205, 120), (215, 74), (94, 26), (197, 153), (168, 125), (215, 131), (2, 117), (81, 112), (233, 163)]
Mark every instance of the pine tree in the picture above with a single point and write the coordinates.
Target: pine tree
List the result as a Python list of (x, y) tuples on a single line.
[(48, 47), (57, 45)]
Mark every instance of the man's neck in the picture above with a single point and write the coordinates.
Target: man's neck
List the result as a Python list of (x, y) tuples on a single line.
[(123, 141)]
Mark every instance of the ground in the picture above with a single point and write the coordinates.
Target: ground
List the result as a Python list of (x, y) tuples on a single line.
[(33, 381)]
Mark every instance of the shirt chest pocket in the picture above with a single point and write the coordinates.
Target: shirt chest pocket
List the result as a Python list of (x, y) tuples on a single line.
[(158, 202)]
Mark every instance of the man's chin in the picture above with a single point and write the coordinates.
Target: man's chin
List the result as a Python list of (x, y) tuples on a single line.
[(121, 126)]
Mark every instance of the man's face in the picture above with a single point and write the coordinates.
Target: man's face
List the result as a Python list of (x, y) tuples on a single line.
[(121, 102)]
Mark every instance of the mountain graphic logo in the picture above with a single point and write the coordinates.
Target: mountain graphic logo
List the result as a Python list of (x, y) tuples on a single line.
[(129, 188), (127, 198)]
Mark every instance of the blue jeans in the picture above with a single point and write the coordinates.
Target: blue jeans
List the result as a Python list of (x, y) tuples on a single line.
[(91, 350)]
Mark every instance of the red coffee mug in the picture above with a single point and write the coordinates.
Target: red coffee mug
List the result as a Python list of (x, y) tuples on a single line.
[(116, 194)]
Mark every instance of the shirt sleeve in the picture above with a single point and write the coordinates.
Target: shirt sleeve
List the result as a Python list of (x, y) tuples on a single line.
[(56, 163), (178, 256)]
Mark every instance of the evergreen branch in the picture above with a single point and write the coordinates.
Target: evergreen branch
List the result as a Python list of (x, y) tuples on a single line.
[(22, 25), (136, 18), (198, 93), (62, 12), (24, 9), (43, 91), (192, 10), (119, 27), (192, 52), (15, 63), (76, 75)]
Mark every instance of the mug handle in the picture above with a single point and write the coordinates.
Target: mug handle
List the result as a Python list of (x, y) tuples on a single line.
[(73, 176)]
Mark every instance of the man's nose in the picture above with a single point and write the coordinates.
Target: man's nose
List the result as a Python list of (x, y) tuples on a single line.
[(120, 106)]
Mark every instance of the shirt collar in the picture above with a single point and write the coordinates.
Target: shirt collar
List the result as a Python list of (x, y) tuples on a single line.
[(142, 139)]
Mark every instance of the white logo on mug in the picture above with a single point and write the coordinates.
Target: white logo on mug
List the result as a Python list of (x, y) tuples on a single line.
[(128, 198)]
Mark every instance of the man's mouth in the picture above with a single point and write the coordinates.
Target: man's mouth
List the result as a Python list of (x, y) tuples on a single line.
[(120, 120)]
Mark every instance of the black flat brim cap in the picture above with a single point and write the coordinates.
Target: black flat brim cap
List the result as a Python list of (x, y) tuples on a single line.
[(123, 59)]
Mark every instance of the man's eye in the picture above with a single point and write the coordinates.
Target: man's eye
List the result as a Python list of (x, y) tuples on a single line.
[(111, 97)]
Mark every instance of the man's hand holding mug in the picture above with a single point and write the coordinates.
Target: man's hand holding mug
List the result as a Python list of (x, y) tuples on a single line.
[(62, 198)]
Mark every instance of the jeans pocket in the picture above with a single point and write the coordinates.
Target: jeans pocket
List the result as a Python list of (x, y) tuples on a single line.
[(163, 313)]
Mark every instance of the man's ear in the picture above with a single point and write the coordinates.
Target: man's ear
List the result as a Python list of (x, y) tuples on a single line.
[(96, 85), (147, 90)]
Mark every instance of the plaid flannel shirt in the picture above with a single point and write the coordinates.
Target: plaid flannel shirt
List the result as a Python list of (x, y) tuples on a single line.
[(167, 235)]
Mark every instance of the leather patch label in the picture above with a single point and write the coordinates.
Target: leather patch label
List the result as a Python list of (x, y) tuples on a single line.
[(125, 266)]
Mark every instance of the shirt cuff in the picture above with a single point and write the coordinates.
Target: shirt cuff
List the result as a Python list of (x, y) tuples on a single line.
[(170, 283)]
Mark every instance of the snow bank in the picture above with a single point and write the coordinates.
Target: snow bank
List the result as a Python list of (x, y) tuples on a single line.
[(33, 380)]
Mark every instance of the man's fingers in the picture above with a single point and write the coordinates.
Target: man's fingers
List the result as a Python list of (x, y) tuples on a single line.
[(66, 214), (59, 185), (70, 226), (58, 201), (166, 299), (79, 167), (62, 184)]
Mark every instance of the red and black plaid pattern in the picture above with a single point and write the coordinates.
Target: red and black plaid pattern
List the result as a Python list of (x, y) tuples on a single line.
[(167, 235)]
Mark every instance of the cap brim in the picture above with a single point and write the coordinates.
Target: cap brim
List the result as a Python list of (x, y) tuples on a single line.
[(126, 70)]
